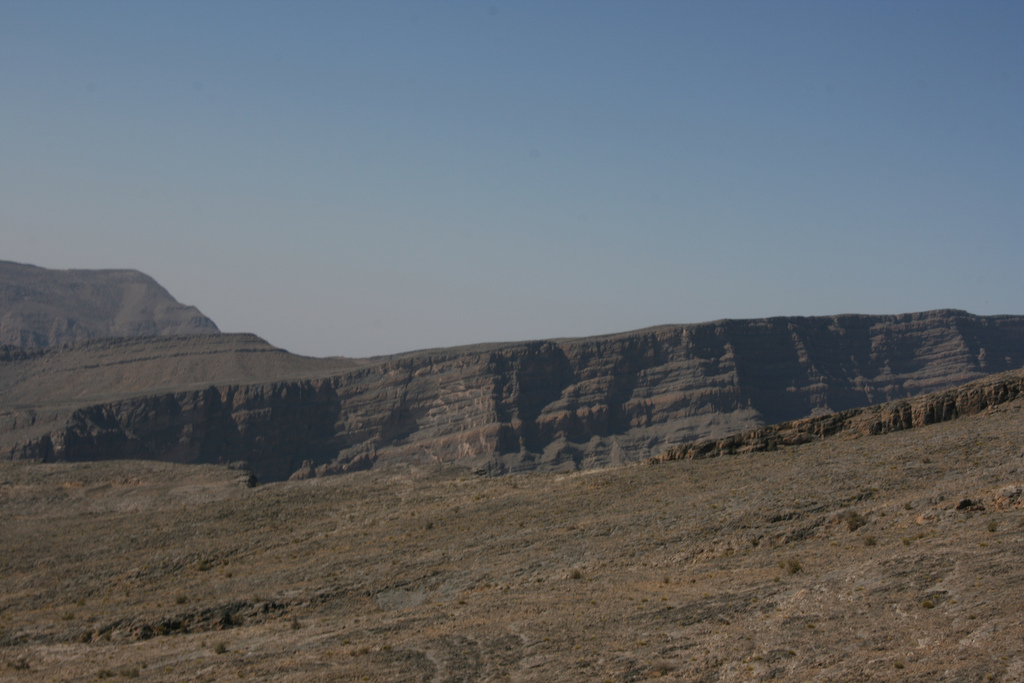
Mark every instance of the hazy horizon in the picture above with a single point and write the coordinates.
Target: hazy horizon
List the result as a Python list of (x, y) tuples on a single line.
[(361, 179)]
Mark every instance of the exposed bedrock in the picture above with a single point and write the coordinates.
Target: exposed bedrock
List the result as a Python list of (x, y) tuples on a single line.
[(894, 416), (560, 404)]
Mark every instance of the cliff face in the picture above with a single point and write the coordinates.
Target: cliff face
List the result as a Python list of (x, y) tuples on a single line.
[(557, 404), (895, 416), (41, 307)]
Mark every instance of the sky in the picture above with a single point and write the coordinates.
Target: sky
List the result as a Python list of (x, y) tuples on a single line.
[(363, 178)]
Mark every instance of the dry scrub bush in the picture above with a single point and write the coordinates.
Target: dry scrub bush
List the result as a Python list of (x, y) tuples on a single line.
[(854, 520)]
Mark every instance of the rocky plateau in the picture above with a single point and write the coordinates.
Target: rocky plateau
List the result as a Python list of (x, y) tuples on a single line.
[(116, 377), (554, 405)]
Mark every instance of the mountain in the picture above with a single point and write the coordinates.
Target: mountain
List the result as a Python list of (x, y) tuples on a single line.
[(40, 307), (545, 405)]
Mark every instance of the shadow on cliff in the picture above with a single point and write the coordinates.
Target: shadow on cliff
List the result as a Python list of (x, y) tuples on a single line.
[(268, 429)]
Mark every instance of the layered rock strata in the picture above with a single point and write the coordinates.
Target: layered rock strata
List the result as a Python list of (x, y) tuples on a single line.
[(559, 404), (894, 416)]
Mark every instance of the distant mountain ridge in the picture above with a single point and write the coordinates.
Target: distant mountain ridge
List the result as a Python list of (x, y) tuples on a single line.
[(542, 405), (40, 307)]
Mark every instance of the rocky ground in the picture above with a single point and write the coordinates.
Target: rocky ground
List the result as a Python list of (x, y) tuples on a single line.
[(893, 557)]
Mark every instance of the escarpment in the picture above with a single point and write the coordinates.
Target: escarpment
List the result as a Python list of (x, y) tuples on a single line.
[(894, 416), (556, 404)]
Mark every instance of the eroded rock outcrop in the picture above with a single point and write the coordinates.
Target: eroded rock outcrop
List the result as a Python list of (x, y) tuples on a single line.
[(942, 406), (558, 404)]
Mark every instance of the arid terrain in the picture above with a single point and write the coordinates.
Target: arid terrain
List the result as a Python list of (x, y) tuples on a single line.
[(834, 498), (891, 557)]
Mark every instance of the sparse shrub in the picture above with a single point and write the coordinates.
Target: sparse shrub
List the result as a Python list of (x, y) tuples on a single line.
[(992, 526), (180, 600), (854, 520), (220, 648), (577, 574), (662, 669), (870, 540), (793, 565), (927, 604)]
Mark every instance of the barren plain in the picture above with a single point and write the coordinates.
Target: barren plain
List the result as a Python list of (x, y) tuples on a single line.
[(891, 557)]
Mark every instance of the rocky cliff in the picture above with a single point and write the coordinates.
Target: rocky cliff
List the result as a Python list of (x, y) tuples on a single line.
[(558, 404), (41, 307), (894, 416)]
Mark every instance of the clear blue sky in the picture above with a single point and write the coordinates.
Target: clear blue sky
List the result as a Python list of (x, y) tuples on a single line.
[(357, 178)]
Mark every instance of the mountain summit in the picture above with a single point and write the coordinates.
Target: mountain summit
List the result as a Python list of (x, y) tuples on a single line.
[(40, 307)]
